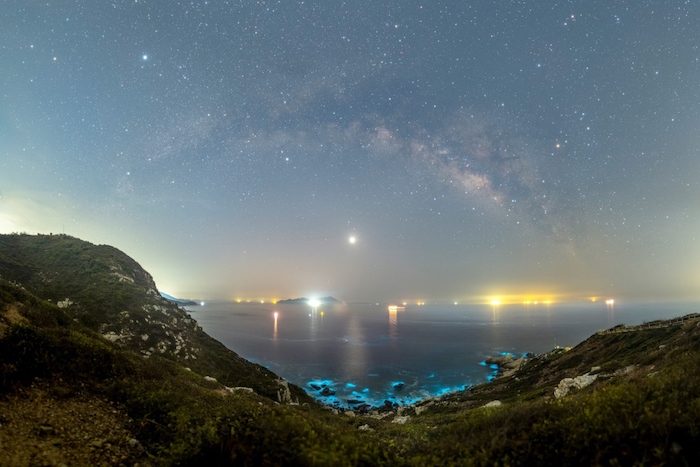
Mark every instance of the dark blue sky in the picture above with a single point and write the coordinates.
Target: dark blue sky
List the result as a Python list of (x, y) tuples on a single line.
[(474, 149)]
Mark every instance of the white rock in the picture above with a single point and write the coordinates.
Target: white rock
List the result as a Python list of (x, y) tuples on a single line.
[(582, 381), (494, 404), (365, 428), (401, 420), (111, 336), (239, 388), (421, 409), (578, 382), (209, 378)]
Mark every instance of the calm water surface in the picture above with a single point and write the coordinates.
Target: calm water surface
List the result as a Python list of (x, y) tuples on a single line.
[(363, 351)]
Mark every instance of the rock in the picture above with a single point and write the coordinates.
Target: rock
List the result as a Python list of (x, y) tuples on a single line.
[(327, 392), (582, 381), (239, 388), (365, 427), (399, 386), (401, 420), (350, 414), (495, 403), (595, 368), (355, 401), (562, 389), (579, 382), (315, 387), (209, 378), (283, 394)]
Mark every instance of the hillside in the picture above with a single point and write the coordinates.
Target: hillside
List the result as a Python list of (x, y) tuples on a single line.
[(96, 368), (111, 294)]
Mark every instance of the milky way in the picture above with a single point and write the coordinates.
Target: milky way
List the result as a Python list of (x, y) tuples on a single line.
[(473, 150)]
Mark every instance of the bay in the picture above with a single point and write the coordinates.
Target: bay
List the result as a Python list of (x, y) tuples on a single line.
[(369, 354)]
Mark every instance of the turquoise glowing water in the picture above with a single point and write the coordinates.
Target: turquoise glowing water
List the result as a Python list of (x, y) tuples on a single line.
[(361, 352)]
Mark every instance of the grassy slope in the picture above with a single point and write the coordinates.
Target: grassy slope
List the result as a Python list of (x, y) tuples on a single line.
[(643, 410), (57, 267), (177, 415)]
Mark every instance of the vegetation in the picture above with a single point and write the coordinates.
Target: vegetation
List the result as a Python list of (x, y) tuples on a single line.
[(642, 409)]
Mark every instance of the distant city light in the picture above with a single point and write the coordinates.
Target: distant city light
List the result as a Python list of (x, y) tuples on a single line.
[(352, 240), (314, 303), (610, 302), (495, 302)]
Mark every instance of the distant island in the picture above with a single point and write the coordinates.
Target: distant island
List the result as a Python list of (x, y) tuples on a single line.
[(179, 301), (303, 301)]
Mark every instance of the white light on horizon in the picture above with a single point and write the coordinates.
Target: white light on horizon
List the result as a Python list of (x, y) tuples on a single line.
[(314, 303)]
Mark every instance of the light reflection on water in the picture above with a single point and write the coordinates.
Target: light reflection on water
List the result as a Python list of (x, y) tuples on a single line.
[(365, 352)]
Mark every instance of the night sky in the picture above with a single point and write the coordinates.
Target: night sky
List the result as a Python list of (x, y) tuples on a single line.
[(473, 149)]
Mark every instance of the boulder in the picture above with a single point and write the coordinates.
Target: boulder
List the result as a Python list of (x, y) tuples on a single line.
[(495, 403), (578, 382)]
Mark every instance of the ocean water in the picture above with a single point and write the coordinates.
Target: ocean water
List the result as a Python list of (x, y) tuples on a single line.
[(370, 354)]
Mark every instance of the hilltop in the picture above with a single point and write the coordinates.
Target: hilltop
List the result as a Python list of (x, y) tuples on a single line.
[(97, 368)]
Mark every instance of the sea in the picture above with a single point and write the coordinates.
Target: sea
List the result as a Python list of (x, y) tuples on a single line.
[(344, 355)]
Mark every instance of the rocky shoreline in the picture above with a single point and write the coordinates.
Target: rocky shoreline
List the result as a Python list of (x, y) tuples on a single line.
[(506, 365)]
